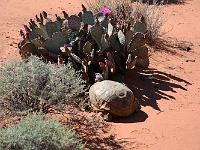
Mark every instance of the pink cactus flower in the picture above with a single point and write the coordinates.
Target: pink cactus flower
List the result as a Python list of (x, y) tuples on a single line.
[(106, 11), (108, 63), (101, 64)]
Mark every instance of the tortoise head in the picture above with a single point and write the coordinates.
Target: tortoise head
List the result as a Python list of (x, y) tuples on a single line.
[(98, 77)]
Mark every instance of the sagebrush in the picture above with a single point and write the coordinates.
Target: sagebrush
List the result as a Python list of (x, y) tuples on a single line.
[(36, 133), (33, 85)]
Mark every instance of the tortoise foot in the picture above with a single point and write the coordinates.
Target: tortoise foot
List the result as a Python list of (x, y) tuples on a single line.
[(107, 117)]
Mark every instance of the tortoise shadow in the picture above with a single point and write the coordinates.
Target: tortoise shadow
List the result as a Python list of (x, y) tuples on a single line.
[(140, 116), (149, 85)]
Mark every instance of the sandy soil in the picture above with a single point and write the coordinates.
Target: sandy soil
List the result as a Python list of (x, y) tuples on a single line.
[(169, 118)]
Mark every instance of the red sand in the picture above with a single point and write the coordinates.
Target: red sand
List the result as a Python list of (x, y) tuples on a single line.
[(169, 118)]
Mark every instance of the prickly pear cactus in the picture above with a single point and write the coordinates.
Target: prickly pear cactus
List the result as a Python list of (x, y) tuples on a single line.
[(90, 43)]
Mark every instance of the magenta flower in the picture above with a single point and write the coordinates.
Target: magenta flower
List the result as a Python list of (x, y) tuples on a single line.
[(106, 11), (101, 64), (108, 63)]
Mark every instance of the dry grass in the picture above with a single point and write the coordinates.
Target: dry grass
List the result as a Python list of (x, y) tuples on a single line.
[(153, 18), (121, 10), (126, 11)]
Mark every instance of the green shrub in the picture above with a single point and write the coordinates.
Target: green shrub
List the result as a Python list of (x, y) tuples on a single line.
[(35, 133), (33, 84)]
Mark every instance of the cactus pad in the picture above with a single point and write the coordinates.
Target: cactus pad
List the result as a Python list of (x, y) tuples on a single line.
[(140, 27), (51, 46), (110, 29), (75, 58), (36, 42), (87, 48), (142, 56), (97, 33), (114, 42), (74, 22), (52, 27), (129, 37), (27, 50), (43, 52), (138, 40), (37, 31), (100, 16), (60, 39), (88, 18), (121, 37), (105, 43)]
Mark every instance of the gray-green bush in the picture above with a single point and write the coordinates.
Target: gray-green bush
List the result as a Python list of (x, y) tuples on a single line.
[(35, 133), (33, 85)]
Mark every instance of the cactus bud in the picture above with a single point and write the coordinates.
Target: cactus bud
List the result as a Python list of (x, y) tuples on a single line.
[(101, 64), (22, 33), (65, 49), (84, 8), (85, 67), (31, 20), (65, 24), (84, 62), (109, 55), (59, 60), (92, 54), (58, 18), (130, 63), (32, 24), (44, 14), (26, 28), (37, 18), (80, 14), (66, 16), (41, 16), (107, 36), (27, 35), (65, 46), (108, 63), (40, 38), (129, 59)]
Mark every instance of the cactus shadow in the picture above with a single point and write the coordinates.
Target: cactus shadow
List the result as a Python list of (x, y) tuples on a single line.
[(103, 143), (150, 85), (166, 2)]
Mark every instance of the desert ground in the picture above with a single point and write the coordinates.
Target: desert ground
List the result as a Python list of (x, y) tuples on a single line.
[(169, 117)]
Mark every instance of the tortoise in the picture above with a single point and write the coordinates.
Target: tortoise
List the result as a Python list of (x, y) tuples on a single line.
[(113, 99)]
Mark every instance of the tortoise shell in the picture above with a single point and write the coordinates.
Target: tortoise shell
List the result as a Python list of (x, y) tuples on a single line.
[(113, 97)]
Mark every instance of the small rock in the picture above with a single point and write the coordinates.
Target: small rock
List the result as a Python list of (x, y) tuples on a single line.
[(185, 48), (190, 60)]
